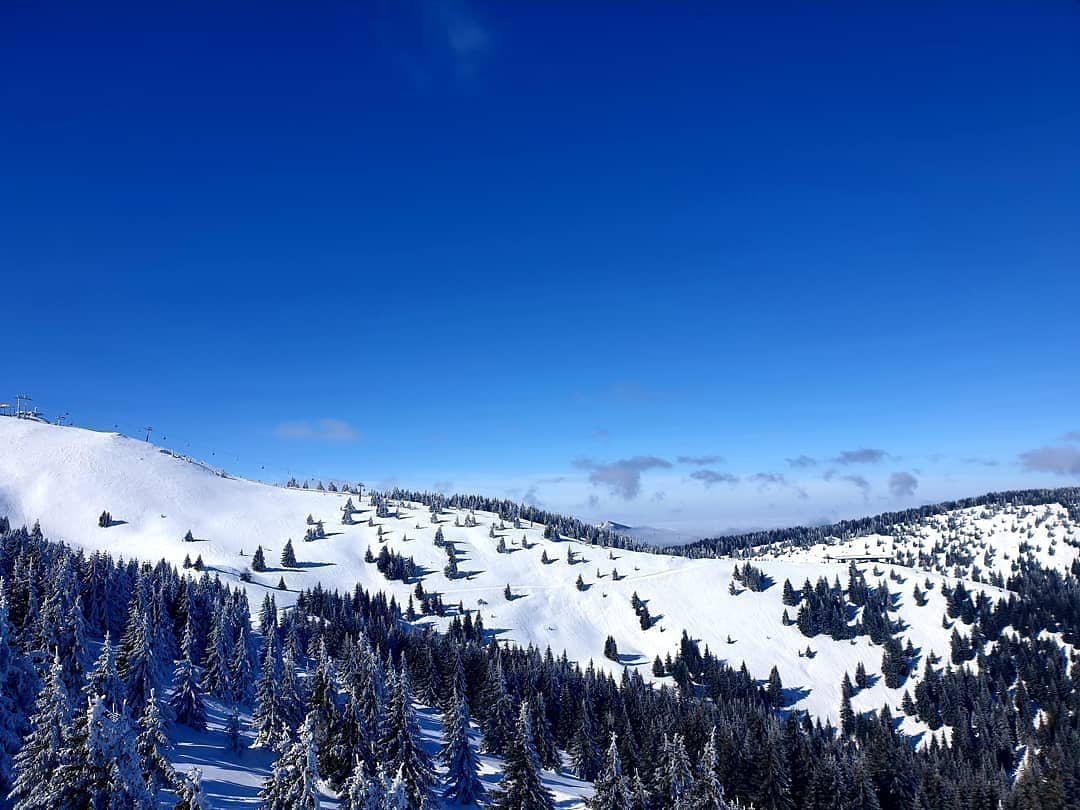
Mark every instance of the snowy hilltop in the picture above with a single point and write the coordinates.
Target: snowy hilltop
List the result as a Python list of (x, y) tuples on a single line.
[(845, 628)]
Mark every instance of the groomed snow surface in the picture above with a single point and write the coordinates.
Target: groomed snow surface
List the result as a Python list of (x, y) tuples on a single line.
[(65, 477)]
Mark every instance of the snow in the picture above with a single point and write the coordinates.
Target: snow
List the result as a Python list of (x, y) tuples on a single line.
[(65, 477)]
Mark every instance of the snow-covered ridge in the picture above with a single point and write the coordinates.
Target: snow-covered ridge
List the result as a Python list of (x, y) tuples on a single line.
[(65, 477)]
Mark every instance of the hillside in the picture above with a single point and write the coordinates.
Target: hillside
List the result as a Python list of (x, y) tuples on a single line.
[(65, 477)]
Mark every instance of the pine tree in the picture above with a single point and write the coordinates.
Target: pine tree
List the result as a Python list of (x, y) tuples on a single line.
[(639, 793), (38, 760), (186, 701), (847, 715), (216, 679), (151, 746), (775, 689), (190, 793), (789, 598), (267, 718), (400, 745), (258, 560), (498, 724), (293, 778), (290, 690), (288, 556), (584, 753), (463, 784), (362, 790), (677, 777), (140, 669), (708, 792), (612, 792), (99, 765), (241, 672), (17, 681), (521, 787), (545, 738)]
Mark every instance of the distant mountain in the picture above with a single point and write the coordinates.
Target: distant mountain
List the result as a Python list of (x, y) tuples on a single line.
[(652, 535)]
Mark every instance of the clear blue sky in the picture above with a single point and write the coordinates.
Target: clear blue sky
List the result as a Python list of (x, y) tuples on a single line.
[(546, 251)]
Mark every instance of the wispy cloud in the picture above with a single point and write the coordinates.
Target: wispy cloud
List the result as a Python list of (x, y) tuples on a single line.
[(864, 455), (432, 40), (601, 434), (1057, 460), (1072, 436), (700, 461), (903, 484), (980, 461), (466, 37), (801, 462), (622, 477), (627, 392), (328, 430), (710, 477), (855, 480), (765, 480)]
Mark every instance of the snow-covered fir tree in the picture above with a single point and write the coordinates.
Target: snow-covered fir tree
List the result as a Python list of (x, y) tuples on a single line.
[(37, 761), (521, 787), (612, 790), (186, 702), (292, 784), (152, 746), (462, 780), (190, 794), (400, 746)]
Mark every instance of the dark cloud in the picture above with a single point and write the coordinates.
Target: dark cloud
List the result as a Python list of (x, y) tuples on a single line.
[(622, 477), (801, 462), (854, 480), (710, 477), (858, 481), (769, 479), (700, 461), (327, 430), (903, 484), (864, 455), (1057, 460)]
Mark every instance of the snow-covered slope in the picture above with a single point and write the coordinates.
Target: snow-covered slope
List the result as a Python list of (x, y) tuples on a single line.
[(65, 477)]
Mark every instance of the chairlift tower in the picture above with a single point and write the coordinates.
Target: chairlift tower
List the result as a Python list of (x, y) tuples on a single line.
[(148, 431), (19, 399)]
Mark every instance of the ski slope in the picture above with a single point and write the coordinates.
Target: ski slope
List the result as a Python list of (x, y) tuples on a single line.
[(65, 477)]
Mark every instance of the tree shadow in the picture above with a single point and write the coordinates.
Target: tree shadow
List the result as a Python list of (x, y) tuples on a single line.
[(789, 696)]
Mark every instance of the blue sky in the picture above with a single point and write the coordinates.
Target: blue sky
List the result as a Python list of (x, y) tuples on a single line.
[(549, 252)]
